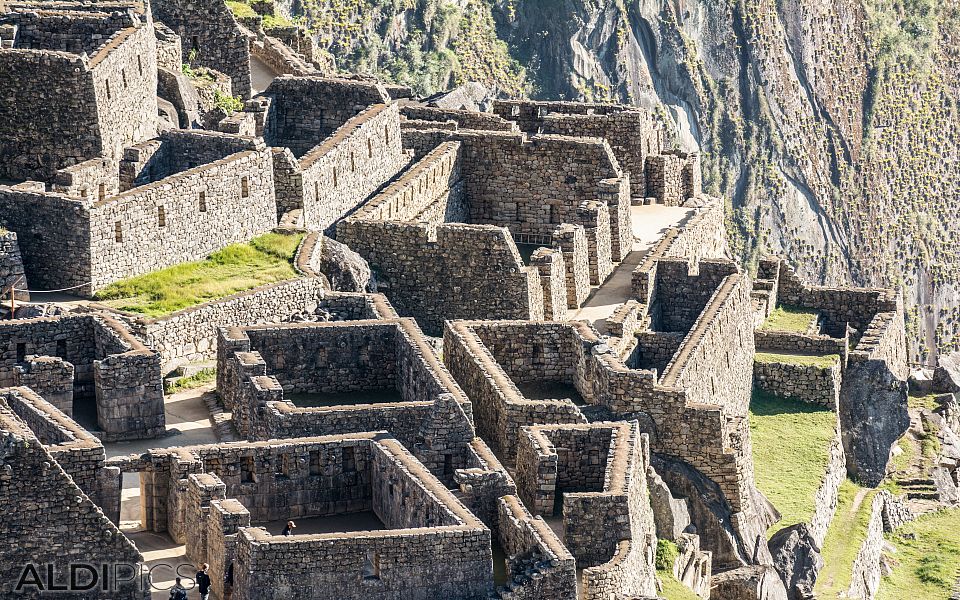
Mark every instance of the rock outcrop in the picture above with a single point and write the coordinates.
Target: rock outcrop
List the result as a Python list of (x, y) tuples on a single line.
[(946, 378), (346, 270), (873, 416), (796, 556)]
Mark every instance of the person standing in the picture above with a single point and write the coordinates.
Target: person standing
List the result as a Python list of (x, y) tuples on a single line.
[(288, 530), (203, 582)]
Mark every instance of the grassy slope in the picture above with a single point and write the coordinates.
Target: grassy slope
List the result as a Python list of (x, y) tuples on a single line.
[(847, 532), (236, 268), (785, 318), (791, 442), (927, 558), (808, 360), (667, 553)]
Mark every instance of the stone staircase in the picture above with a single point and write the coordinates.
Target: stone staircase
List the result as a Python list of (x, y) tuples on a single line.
[(919, 489), (221, 420)]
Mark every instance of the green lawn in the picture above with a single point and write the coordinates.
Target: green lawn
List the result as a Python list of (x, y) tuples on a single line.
[(241, 9), (236, 268), (847, 532), (201, 378), (824, 361), (786, 318), (791, 443), (927, 561)]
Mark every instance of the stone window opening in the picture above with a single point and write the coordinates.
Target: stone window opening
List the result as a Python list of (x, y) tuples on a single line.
[(118, 231), (371, 567), (62, 348), (21, 352), (537, 357), (102, 191), (203, 202), (554, 215), (245, 187), (161, 216), (386, 133), (369, 148), (84, 192), (315, 462), (316, 190), (353, 163), (282, 467), (247, 474), (448, 464), (123, 77), (335, 177), (109, 95), (349, 463), (517, 216), (195, 43), (140, 65)]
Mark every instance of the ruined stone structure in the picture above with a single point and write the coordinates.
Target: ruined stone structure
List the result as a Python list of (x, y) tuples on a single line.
[(101, 61), (170, 200), (513, 360)]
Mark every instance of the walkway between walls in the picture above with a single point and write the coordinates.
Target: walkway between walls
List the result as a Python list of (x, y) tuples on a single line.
[(650, 223)]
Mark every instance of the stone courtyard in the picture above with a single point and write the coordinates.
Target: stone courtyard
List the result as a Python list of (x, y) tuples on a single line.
[(515, 360)]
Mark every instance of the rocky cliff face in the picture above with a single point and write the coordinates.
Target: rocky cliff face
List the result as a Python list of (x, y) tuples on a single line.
[(829, 125)]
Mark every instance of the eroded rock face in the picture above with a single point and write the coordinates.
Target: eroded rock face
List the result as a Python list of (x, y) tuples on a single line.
[(670, 514), (346, 270), (796, 556), (754, 582), (873, 416), (946, 378)]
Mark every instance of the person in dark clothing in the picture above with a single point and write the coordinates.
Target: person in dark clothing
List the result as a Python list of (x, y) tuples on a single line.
[(203, 582), (288, 530), (178, 592)]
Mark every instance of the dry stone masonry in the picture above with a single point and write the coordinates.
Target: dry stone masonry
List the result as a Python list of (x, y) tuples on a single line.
[(419, 397)]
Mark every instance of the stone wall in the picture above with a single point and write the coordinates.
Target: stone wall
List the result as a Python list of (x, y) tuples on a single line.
[(500, 408), (867, 570), (465, 119), (41, 503), (108, 363), (11, 268), (357, 159), (449, 272), (806, 383), (432, 547), (104, 100), (211, 37), (532, 547), (299, 113), (190, 335), (800, 343)]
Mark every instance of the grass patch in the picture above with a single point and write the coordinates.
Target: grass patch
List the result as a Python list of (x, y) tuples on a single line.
[(791, 449), (241, 10), (667, 553), (927, 558), (200, 378), (823, 361), (786, 318), (236, 268), (927, 401), (847, 532)]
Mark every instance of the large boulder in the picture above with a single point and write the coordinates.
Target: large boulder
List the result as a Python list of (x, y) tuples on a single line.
[(796, 557), (346, 270), (873, 416), (946, 377), (670, 515), (754, 582)]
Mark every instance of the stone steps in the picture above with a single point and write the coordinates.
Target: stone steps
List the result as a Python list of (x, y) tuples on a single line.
[(221, 420)]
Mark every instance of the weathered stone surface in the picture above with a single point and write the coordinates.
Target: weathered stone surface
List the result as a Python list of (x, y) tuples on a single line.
[(346, 270), (873, 416), (946, 378), (670, 514), (796, 556)]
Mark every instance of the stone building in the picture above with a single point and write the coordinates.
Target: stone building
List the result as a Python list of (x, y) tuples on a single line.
[(100, 60), (169, 200), (51, 482), (90, 364)]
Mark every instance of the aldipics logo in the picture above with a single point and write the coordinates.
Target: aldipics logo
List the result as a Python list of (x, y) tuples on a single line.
[(106, 577)]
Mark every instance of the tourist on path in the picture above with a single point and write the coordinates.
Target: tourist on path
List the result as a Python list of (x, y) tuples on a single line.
[(203, 582), (288, 530), (178, 592)]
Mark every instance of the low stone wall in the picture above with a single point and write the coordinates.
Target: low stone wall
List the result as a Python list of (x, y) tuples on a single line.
[(189, 335), (800, 343), (886, 513), (825, 500), (451, 271), (465, 119), (533, 548), (806, 383)]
